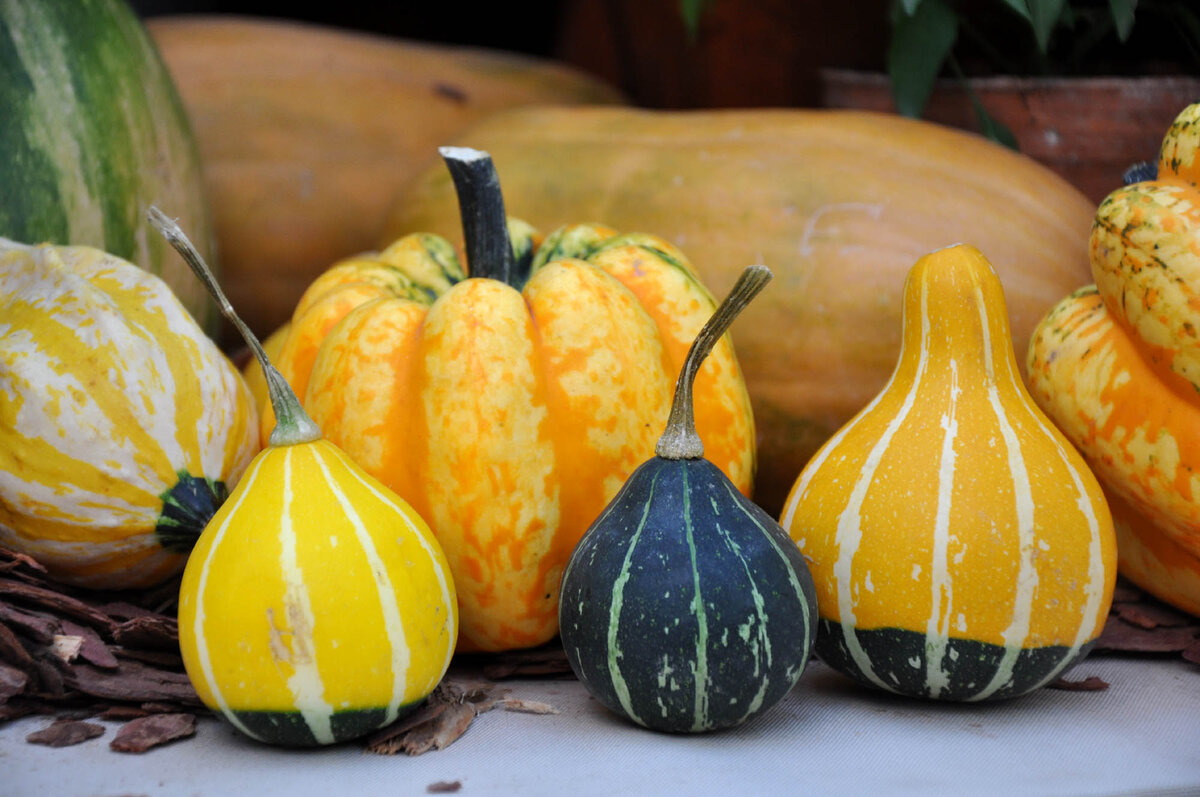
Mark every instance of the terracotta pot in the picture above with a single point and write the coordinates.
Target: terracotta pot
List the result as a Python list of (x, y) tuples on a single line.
[(1088, 130)]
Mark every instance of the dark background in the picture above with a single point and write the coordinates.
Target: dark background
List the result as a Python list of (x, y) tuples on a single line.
[(747, 53)]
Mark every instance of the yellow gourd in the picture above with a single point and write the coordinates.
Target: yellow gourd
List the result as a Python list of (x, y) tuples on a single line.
[(316, 606), (122, 426), (1117, 366), (961, 548)]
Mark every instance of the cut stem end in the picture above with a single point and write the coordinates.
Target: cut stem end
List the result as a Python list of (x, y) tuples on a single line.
[(680, 439)]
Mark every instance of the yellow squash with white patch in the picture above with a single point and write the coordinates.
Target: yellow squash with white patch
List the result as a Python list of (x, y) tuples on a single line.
[(122, 426), (317, 606), (961, 548), (509, 407)]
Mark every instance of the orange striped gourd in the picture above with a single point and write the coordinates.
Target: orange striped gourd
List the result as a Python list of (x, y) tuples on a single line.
[(1117, 366), (509, 407), (122, 426), (961, 548), (316, 606)]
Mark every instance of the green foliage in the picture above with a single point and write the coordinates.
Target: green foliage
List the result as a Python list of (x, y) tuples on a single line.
[(926, 34)]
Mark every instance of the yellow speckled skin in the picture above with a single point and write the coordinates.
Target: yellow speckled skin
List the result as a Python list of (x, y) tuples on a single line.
[(109, 394), (950, 505), (509, 419), (1145, 253), (1117, 366), (313, 592)]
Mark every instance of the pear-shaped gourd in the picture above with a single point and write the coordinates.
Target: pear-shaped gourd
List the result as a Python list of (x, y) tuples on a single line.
[(961, 548), (317, 606), (685, 607)]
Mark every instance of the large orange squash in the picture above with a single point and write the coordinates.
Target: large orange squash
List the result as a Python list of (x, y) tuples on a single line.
[(307, 132), (1117, 366), (838, 204), (509, 407)]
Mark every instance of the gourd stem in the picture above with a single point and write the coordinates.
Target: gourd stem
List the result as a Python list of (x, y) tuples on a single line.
[(680, 440), (292, 424), (485, 226)]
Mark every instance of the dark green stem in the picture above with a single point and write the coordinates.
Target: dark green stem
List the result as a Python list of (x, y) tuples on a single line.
[(292, 424), (485, 226), (680, 440)]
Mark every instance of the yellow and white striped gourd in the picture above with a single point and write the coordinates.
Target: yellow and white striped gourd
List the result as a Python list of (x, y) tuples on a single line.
[(122, 425), (317, 605), (961, 548)]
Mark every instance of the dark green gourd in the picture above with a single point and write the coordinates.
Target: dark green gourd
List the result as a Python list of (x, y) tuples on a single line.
[(685, 607)]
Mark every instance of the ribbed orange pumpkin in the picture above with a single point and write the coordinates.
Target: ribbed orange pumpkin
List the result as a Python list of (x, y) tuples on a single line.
[(961, 549), (824, 198), (1117, 366), (509, 408)]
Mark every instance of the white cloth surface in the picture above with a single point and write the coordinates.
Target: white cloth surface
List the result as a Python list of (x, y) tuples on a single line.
[(1141, 736)]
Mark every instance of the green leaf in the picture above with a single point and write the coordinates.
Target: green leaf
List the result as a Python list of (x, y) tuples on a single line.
[(1044, 15), (1122, 12), (691, 11), (1021, 7), (920, 45), (990, 126)]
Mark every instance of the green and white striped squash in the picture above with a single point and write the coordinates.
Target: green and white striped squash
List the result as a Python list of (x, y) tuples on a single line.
[(317, 605), (685, 607), (122, 426), (93, 132), (961, 548)]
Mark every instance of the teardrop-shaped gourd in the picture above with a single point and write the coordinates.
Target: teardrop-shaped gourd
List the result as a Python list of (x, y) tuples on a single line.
[(685, 607), (961, 548), (317, 606)]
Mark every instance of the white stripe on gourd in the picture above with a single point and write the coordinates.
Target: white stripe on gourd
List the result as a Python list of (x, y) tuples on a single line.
[(203, 651), (393, 624), (305, 682), (836, 554), (308, 497), (849, 528), (731, 633)]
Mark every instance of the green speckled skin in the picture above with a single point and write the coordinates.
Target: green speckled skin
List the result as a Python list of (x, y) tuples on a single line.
[(898, 656), (685, 607), (94, 132)]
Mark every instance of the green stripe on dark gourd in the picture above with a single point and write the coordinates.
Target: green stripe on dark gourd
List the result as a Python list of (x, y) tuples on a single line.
[(685, 607), (898, 656), (187, 508), (290, 729), (714, 620)]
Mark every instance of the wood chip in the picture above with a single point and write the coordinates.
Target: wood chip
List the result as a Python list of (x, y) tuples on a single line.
[(92, 648), (1152, 615), (153, 632), (1090, 684), (13, 681), (140, 735), (133, 682), (59, 603), (11, 560), (65, 733), (1121, 636), (527, 706), (66, 647), (14, 653), (122, 713), (444, 730), (38, 626)]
